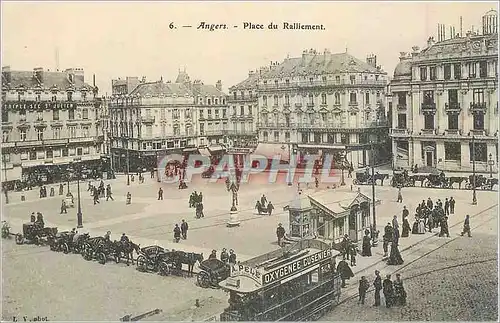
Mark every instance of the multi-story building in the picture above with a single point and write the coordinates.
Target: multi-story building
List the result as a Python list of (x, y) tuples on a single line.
[(157, 117), (243, 105), (444, 96), (324, 103), (49, 120)]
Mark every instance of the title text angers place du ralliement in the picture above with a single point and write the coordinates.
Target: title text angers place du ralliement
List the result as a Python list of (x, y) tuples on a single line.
[(258, 26)]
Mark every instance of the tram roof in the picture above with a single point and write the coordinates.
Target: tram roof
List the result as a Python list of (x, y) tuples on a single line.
[(278, 266)]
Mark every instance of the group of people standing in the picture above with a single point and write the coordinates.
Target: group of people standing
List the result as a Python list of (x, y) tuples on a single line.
[(264, 206), (228, 258), (430, 215), (196, 201), (181, 231), (393, 290)]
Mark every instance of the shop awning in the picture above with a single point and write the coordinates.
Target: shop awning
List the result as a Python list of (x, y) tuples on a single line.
[(215, 148), (204, 152), (270, 151)]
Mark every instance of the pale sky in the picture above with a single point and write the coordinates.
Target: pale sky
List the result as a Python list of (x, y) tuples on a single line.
[(118, 39)]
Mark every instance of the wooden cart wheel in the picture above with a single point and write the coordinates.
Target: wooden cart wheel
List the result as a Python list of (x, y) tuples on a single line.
[(141, 263), (164, 268), (19, 238), (101, 257), (203, 279), (65, 248)]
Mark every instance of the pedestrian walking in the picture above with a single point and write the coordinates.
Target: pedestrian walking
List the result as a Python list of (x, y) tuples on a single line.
[(387, 238), (270, 208), (388, 291), (377, 283), (353, 251), (406, 228), (400, 195), (109, 194), (362, 289), (395, 256), (61, 189), (177, 233), (129, 198), (280, 233), (184, 229), (366, 251), (444, 228), (52, 192), (160, 194), (466, 226), (446, 207), (96, 196), (64, 207), (345, 271), (452, 205)]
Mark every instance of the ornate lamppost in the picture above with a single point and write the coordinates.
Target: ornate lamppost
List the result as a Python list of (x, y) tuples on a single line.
[(233, 187), (491, 162), (474, 198), (374, 227), (79, 212)]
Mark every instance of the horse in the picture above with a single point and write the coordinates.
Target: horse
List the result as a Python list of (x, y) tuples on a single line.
[(189, 258), (456, 179), (127, 249), (380, 177)]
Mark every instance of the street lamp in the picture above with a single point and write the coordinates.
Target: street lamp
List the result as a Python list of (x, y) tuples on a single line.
[(128, 163), (79, 212), (491, 162), (374, 228), (474, 198)]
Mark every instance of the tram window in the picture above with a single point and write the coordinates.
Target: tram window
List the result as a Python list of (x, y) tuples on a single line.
[(315, 277)]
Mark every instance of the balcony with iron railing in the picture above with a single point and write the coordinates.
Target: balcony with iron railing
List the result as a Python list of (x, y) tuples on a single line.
[(429, 106), (453, 132), (400, 132), (324, 83), (428, 132), (452, 106), (478, 132), (148, 119), (478, 106)]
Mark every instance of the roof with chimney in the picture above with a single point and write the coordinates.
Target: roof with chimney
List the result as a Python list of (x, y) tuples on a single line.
[(182, 87), (312, 63), (50, 80), (465, 44), (160, 88), (250, 83)]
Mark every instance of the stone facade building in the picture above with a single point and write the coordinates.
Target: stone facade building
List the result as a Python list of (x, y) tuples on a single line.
[(154, 118), (444, 96), (49, 120), (324, 103)]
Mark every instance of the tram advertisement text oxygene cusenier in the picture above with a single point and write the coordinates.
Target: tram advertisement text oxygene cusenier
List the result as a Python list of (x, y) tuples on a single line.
[(295, 267)]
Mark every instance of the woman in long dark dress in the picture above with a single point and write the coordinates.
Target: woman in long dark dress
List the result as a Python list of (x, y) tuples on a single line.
[(395, 256), (415, 226), (406, 228), (367, 247)]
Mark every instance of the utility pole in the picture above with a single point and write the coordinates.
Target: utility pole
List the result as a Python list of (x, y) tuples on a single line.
[(474, 198), (374, 232)]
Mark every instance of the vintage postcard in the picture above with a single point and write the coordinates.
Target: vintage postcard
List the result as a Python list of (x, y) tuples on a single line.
[(249, 161)]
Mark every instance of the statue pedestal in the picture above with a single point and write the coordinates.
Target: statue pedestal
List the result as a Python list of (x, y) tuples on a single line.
[(233, 218)]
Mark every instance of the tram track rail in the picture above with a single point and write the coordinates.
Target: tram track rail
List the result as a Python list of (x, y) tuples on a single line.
[(417, 275)]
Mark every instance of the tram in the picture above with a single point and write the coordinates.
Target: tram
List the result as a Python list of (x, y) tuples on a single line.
[(296, 283)]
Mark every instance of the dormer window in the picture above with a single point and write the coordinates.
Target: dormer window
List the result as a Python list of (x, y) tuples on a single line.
[(70, 96)]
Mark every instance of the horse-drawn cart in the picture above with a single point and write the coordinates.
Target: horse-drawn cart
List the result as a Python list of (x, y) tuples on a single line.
[(212, 272), (34, 233)]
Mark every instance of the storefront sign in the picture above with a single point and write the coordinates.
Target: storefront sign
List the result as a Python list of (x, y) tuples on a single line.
[(35, 105), (242, 270), (296, 266)]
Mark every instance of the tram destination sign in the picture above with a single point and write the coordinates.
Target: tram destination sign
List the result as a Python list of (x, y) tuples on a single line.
[(295, 267), (36, 105)]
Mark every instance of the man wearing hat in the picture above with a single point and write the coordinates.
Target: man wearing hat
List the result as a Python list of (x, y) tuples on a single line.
[(224, 257), (213, 255), (232, 256), (280, 233), (363, 287), (377, 283)]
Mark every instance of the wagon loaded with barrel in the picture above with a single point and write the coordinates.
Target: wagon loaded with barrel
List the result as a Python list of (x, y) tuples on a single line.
[(35, 233)]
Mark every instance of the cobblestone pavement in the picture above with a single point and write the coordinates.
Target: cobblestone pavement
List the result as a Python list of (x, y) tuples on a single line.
[(64, 287), (457, 282)]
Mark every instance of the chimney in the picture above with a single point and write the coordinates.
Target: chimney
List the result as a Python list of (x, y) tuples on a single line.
[(93, 80), (38, 74), (307, 56), (403, 56), (197, 85), (218, 85), (430, 41), (461, 26), (415, 51), (143, 80), (6, 73), (372, 60)]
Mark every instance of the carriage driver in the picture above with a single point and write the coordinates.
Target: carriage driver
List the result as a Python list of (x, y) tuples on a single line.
[(213, 255), (39, 220), (232, 256), (124, 239), (224, 257)]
